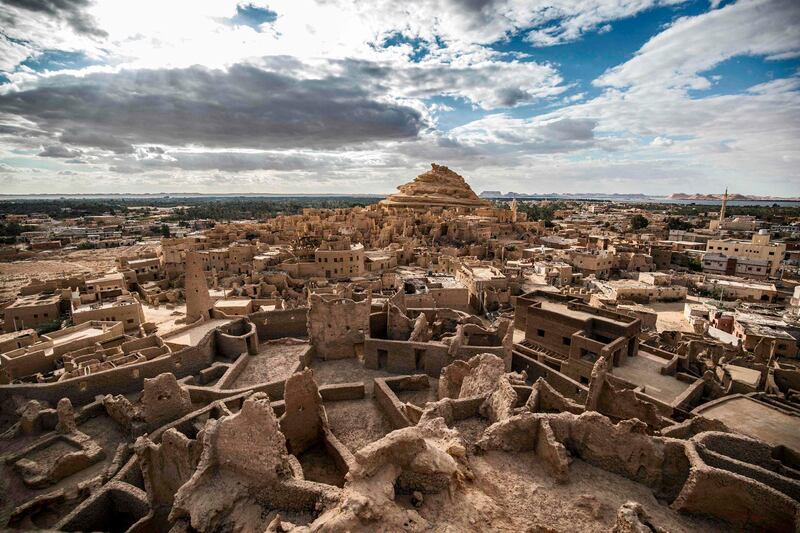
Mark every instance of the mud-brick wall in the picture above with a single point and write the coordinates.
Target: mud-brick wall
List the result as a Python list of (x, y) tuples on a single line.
[(238, 341), (551, 330), (280, 323), (402, 357), (120, 380), (562, 383)]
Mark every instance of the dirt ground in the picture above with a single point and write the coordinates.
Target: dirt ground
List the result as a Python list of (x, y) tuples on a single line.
[(514, 492), (57, 264), (273, 362), (670, 316), (357, 422)]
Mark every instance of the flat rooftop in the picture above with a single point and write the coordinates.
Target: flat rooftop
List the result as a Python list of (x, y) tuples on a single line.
[(486, 272), (754, 418), (233, 303), (35, 299), (193, 336), (645, 370), (79, 333), (563, 308)]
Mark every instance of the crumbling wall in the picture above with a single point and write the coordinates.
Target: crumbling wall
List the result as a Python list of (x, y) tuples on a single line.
[(167, 466), (281, 323), (304, 420), (164, 400), (337, 325), (618, 403), (245, 471)]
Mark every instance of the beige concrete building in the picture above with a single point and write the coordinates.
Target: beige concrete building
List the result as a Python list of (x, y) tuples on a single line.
[(759, 248)]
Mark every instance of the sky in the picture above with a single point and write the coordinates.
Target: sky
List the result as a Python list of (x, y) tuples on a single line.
[(337, 96)]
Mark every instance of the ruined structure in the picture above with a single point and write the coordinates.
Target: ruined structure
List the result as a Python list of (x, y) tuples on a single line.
[(198, 302), (429, 363)]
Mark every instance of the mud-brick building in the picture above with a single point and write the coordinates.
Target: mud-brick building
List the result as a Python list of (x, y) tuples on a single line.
[(572, 336)]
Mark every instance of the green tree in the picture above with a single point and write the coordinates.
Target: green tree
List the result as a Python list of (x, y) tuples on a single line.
[(639, 222), (165, 230), (677, 223)]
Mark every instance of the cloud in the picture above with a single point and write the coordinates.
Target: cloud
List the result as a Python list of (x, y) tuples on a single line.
[(12, 52), (489, 83), (564, 21), (243, 106), (59, 151), (674, 58), (557, 135), (73, 12)]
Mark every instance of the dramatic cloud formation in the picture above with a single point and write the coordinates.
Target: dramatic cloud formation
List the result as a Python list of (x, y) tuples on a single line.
[(241, 107), (648, 96)]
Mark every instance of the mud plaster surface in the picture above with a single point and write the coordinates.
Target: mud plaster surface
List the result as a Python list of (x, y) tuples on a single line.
[(357, 422), (512, 492), (13, 492), (274, 363), (346, 371)]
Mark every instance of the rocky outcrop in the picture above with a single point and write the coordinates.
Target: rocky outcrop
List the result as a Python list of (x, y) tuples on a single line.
[(438, 187)]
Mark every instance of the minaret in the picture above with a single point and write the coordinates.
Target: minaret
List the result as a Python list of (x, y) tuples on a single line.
[(722, 209), (195, 287)]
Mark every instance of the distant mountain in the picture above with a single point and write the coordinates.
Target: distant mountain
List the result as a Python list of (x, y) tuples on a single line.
[(732, 196), (565, 196)]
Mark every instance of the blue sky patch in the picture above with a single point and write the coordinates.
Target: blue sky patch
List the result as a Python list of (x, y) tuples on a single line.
[(253, 16)]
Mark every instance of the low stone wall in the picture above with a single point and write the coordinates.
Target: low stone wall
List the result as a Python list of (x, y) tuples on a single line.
[(390, 404)]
